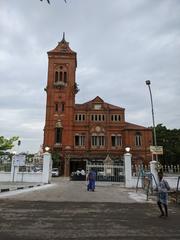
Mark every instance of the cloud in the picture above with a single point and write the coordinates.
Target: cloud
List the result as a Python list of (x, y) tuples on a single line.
[(119, 45)]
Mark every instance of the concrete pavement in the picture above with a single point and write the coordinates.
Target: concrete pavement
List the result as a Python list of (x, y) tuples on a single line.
[(65, 210), (39, 220), (63, 190)]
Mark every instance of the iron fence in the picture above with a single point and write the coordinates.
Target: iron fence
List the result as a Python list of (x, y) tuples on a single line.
[(107, 172), (5, 163)]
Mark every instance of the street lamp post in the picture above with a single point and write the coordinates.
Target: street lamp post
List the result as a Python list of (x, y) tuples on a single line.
[(148, 83)]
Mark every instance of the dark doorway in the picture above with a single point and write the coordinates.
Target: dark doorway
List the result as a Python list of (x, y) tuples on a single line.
[(77, 165)]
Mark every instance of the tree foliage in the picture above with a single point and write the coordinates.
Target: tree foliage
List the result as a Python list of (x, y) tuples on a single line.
[(170, 140), (7, 144), (56, 159)]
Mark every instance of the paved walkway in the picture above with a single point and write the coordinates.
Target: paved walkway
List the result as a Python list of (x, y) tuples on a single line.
[(65, 210), (63, 190)]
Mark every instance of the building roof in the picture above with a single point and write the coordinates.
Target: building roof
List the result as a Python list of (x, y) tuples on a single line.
[(132, 126), (62, 47), (97, 99)]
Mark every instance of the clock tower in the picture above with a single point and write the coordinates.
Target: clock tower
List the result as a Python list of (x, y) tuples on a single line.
[(61, 89), (81, 134)]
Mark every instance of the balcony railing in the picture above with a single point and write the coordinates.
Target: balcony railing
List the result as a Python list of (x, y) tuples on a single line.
[(60, 84)]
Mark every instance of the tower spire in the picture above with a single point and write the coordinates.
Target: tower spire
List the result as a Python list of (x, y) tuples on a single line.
[(63, 39)]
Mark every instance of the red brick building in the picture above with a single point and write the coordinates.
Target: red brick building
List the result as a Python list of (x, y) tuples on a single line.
[(88, 131)]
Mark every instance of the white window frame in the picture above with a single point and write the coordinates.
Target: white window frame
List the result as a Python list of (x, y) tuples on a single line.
[(97, 140), (81, 140)]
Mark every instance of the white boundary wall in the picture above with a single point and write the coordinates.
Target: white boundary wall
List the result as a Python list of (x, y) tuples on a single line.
[(172, 181), (41, 177), (131, 181)]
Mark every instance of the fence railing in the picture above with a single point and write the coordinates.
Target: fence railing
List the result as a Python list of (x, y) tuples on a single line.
[(137, 168), (5, 163), (167, 169), (33, 163), (107, 172), (171, 169)]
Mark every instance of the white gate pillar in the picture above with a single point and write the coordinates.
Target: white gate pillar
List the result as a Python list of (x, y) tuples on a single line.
[(128, 170), (47, 168), (14, 167), (12, 170), (153, 169)]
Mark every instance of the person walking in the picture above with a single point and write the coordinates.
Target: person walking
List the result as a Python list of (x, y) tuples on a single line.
[(162, 200), (91, 180)]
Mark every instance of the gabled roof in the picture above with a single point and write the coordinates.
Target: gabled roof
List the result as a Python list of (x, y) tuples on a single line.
[(132, 126), (97, 99)]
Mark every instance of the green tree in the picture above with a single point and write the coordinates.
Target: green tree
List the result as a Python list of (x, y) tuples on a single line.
[(170, 140), (7, 144), (56, 159)]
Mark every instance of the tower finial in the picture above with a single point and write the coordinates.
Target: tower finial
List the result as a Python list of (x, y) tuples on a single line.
[(63, 37)]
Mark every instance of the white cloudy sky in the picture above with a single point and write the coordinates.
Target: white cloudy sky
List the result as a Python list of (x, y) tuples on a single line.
[(119, 45)]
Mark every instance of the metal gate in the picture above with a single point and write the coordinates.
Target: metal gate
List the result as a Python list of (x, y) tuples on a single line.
[(107, 172)]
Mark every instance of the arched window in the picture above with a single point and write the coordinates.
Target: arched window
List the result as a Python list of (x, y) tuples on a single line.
[(79, 140), (94, 140), (138, 139), (58, 135), (101, 140), (56, 76), (62, 106), (65, 77), (98, 140), (56, 107), (116, 140), (58, 132), (60, 75)]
